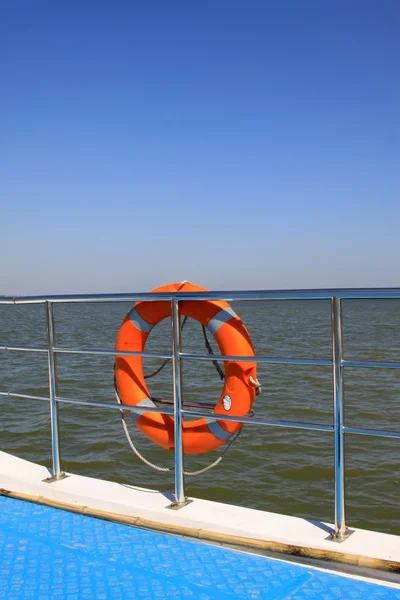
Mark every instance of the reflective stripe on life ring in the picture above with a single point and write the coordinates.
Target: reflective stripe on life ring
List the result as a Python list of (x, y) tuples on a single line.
[(232, 338)]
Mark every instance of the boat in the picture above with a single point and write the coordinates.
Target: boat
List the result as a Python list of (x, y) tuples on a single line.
[(71, 536)]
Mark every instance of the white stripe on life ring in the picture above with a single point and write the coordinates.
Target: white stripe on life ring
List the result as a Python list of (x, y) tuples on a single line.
[(222, 317), (139, 322)]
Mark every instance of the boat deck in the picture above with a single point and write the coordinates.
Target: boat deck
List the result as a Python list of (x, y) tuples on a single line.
[(51, 553)]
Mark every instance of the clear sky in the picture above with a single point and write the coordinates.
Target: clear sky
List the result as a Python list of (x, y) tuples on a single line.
[(251, 144)]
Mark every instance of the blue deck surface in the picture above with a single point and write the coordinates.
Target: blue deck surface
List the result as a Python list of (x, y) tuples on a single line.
[(49, 553)]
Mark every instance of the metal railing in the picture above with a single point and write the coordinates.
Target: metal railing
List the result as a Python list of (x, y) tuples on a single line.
[(338, 363)]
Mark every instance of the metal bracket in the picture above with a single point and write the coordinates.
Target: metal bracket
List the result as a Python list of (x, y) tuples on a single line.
[(53, 478), (343, 537), (179, 505)]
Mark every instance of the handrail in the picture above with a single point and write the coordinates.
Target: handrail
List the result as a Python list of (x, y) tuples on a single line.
[(230, 295), (337, 363)]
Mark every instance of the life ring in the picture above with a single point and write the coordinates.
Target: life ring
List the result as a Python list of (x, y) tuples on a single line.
[(240, 383)]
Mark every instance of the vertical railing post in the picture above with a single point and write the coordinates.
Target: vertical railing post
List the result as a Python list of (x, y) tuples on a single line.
[(337, 354), (180, 499), (55, 440)]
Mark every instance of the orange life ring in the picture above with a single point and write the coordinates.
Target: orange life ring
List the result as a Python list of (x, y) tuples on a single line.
[(232, 338)]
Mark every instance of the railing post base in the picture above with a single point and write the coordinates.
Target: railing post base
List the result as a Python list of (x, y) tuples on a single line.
[(340, 537), (179, 505), (55, 478)]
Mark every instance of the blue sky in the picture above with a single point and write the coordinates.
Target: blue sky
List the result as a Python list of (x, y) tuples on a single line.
[(235, 144)]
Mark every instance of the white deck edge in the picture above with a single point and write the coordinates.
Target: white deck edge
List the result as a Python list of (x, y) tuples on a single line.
[(201, 518)]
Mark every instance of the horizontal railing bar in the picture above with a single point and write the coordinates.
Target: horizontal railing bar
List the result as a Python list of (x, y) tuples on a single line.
[(258, 359), (101, 352), (112, 406), (24, 396), (23, 349), (200, 414), (72, 298), (375, 432), (200, 405), (292, 294), (371, 363), (270, 423), (209, 357)]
